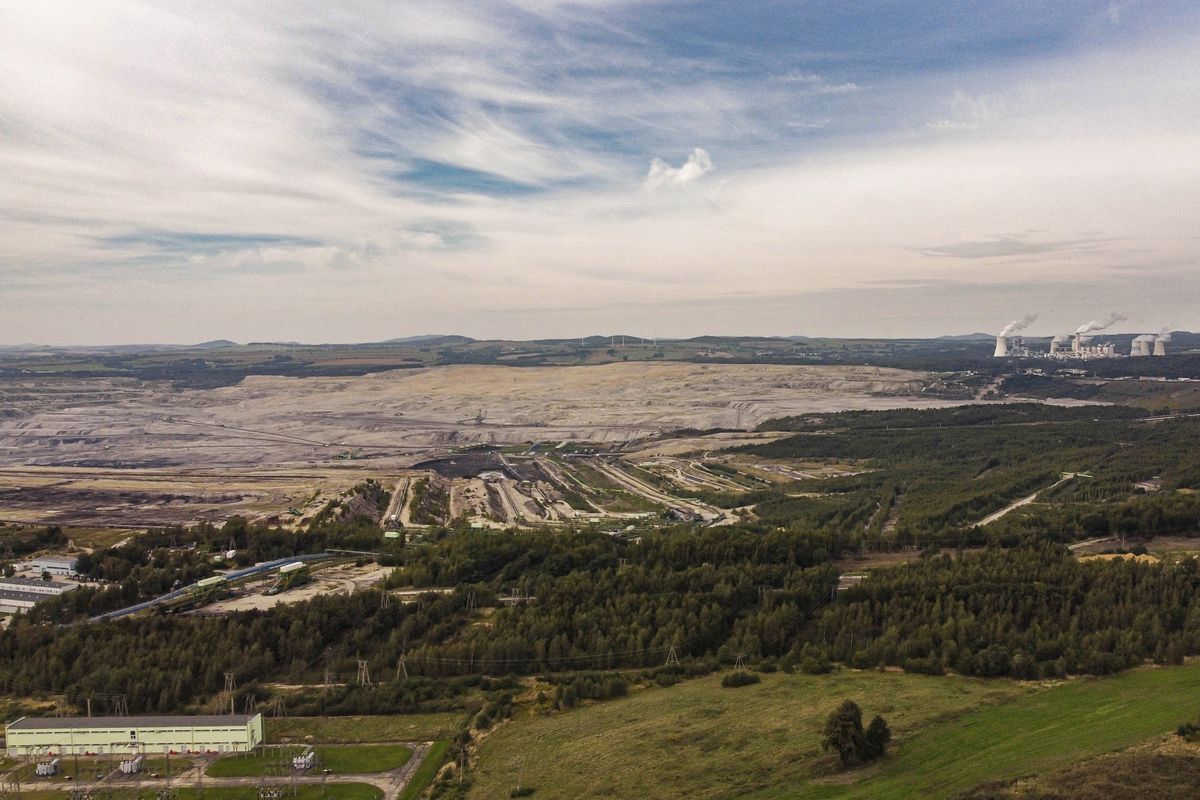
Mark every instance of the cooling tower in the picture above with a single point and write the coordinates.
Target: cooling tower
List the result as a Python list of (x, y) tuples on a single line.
[(1160, 346), (1001, 347)]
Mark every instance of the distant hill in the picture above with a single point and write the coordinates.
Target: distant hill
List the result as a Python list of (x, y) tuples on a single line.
[(966, 337), (429, 338)]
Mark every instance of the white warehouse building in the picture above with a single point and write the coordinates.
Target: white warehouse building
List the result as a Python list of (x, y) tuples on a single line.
[(42, 736), (63, 566), (37, 586)]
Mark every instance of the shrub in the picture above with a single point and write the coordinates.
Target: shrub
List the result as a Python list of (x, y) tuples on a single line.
[(732, 680)]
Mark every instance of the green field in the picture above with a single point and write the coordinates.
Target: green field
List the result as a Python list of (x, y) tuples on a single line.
[(426, 772), (1032, 735), (332, 791), (353, 730), (360, 759), (700, 741), (338, 759)]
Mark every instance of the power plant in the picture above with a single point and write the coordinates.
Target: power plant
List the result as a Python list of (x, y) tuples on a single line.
[(1078, 345)]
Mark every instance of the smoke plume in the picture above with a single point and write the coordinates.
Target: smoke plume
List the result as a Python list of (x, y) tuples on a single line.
[(1018, 325), (1099, 325)]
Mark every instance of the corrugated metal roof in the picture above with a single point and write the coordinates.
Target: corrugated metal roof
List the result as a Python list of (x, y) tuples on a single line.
[(11, 594), (18, 581), (69, 723)]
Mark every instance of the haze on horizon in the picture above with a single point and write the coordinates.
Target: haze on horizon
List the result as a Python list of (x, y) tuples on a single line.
[(362, 171)]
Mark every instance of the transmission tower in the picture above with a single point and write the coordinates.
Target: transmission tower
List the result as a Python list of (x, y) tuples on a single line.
[(364, 675), (328, 679), (276, 708), (229, 691), (120, 706), (402, 667), (250, 705), (740, 663), (672, 657)]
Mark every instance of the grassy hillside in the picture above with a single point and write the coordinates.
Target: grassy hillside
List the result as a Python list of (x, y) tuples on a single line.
[(356, 730), (1030, 735), (702, 741), (699, 741)]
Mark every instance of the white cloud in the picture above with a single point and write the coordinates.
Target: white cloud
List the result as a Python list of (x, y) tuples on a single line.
[(698, 164), (264, 121)]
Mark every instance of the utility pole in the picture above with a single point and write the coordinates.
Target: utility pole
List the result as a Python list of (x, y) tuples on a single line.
[(520, 769), (89, 706)]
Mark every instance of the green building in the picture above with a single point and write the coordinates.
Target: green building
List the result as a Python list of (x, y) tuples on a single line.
[(37, 736)]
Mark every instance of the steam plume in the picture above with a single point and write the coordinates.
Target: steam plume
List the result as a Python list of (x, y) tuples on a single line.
[(1018, 325), (1099, 325), (1165, 334)]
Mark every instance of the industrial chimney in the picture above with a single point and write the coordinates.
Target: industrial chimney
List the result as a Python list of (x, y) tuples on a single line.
[(1001, 347)]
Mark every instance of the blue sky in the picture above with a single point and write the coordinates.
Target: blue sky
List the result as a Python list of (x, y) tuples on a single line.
[(349, 172)]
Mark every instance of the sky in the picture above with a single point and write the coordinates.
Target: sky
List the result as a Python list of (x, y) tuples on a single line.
[(336, 172)]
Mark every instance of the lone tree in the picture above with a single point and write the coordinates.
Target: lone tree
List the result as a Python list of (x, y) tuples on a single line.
[(844, 733)]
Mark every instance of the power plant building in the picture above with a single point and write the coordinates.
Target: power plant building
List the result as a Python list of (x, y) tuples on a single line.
[(56, 736), (1080, 346)]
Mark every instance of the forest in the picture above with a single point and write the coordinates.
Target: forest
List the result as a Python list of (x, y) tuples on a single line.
[(560, 603), (930, 477)]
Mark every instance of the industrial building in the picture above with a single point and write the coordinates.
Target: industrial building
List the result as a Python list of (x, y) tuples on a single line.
[(53, 736), (1080, 346), (62, 566), (18, 602), (36, 586), (19, 595)]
